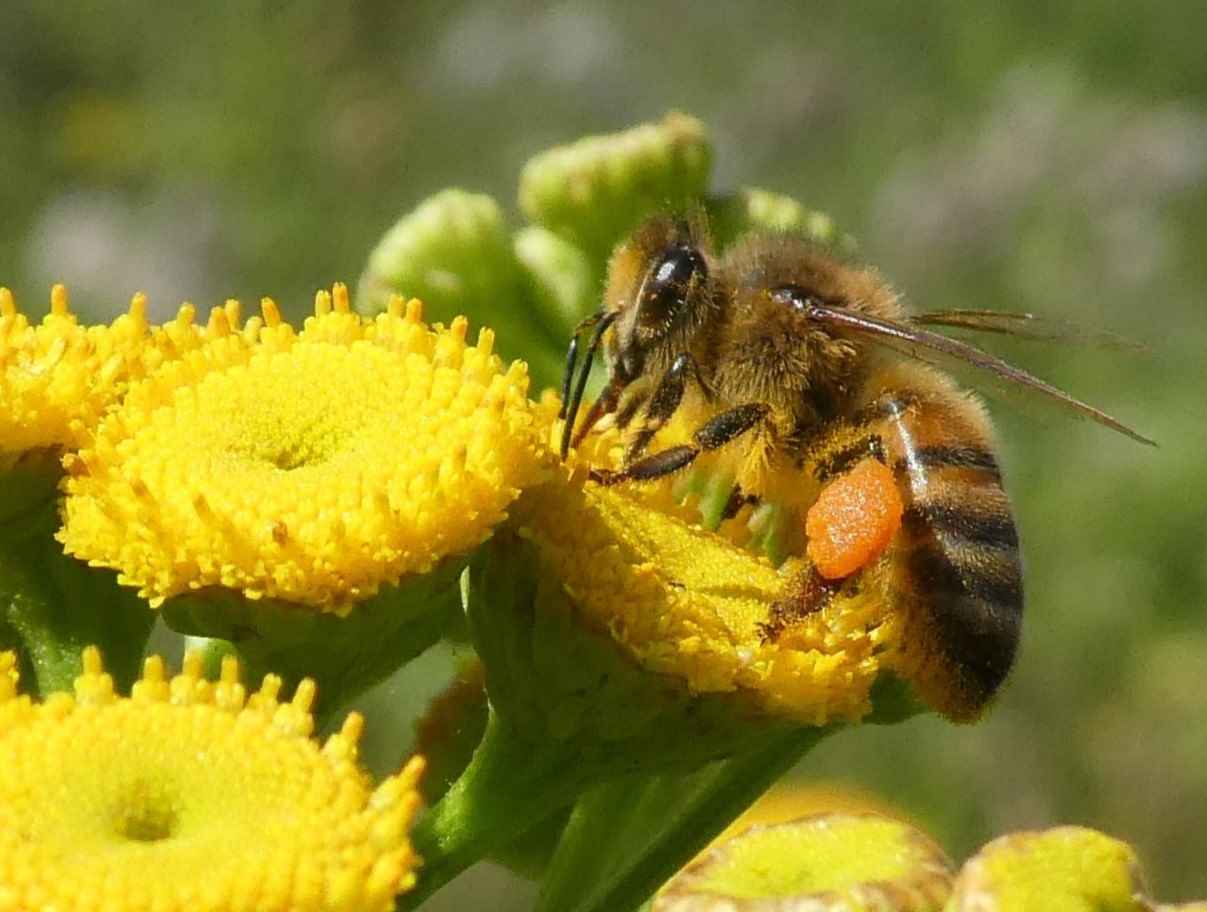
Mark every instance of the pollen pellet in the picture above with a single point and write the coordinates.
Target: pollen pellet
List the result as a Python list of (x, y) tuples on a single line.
[(853, 520)]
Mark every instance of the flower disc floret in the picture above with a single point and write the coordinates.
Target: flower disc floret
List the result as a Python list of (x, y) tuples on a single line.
[(310, 467), (192, 794), (59, 377)]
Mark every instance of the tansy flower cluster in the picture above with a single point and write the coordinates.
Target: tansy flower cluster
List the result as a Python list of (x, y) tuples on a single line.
[(192, 794), (692, 604), (330, 500)]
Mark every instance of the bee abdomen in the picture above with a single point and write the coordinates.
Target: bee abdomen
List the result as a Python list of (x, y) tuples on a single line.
[(960, 567), (961, 527), (967, 582)]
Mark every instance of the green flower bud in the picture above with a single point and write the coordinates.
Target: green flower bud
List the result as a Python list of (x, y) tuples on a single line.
[(562, 281), (753, 209), (594, 191), (454, 251)]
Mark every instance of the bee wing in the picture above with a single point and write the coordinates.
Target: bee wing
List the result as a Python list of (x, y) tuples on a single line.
[(922, 344), (1026, 326)]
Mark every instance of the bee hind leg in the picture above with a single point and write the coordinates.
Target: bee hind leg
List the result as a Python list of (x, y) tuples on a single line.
[(808, 592)]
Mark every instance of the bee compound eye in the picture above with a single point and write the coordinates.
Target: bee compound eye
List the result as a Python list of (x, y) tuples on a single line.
[(668, 282), (798, 299), (679, 265)]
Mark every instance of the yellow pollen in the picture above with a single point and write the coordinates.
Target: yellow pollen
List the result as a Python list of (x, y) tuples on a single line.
[(138, 306), (109, 802), (689, 603)]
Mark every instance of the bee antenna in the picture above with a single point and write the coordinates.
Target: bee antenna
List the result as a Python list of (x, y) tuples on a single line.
[(572, 402), (572, 358)]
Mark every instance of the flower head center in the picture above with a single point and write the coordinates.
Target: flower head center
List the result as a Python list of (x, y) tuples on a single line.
[(309, 444), (147, 814)]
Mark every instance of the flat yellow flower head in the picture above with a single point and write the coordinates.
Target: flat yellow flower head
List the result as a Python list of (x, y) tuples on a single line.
[(58, 377), (192, 794), (310, 467), (693, 604)]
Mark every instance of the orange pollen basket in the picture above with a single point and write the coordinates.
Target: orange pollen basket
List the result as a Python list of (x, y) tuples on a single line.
[(853, 520)]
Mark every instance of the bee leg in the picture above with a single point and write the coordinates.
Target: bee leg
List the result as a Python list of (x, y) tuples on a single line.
[(737, 500), (572, 359), (606, 403), (808, 592), (713, 434), (635, 398), (727, 426), (663, 403)]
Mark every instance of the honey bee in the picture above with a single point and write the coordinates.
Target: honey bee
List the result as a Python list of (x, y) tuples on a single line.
[(800, 373)]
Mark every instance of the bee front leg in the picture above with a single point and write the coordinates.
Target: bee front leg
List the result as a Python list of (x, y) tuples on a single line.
[(665, 401), (713, 434), (604, 405)]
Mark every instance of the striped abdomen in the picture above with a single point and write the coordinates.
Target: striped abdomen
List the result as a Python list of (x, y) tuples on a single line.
[(959, 562), (956, 569)]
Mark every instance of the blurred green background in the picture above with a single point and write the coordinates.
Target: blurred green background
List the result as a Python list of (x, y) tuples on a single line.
[(1050, 158)]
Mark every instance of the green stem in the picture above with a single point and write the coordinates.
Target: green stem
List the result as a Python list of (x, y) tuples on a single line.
[(51, 605), (628, 837), (510, 786)]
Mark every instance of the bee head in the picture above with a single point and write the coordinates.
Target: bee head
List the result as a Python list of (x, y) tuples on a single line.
[(660, 290)]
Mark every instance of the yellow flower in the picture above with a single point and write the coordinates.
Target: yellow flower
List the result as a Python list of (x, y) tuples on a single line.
[(839, 862), (311, 467), (691, 603), (58, 377), (191, 794)]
